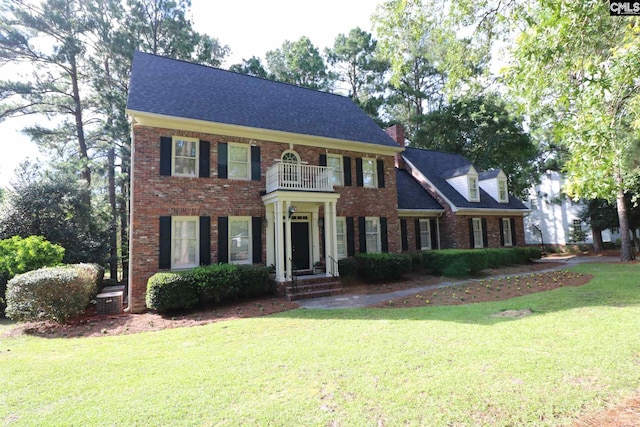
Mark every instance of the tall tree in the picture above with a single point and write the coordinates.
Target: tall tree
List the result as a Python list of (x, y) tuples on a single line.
[(356, 65), (484, 131), (251, 67), (585, 75), (48, 39), (298, 63)]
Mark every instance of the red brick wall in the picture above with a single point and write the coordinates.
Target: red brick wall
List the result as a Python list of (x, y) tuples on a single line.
[(155, 195)]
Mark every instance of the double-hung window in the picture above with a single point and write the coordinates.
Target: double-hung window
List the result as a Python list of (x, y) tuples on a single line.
[(240, 250), (473, 189), (369, 173), (239, 161), (334, 161), (372, 234), (503, 196), (184, 156), (425, 235), (184, 242), (341, 237), (477, 233), (506, 231)]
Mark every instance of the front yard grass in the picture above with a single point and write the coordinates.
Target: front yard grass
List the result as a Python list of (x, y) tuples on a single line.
[(577, 351)]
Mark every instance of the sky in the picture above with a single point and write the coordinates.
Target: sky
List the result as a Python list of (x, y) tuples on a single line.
[(248, 27)]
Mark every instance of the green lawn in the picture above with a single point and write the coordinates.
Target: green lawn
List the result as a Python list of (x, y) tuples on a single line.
[(431, 366)]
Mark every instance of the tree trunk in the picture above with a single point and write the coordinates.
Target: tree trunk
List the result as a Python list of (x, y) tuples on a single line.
[(596, 232), (625, 240), (82, 142)]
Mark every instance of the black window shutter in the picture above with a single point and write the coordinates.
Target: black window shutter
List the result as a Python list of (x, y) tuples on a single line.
[(433, 229), (485, 241), (363, 234), (323, 160), (403, 235), (384, 236), (346, 162), (165, 242), (166, 145), (205, 240), (255, 163), (418, 242), (223, 239), (359, 179), (501, 231), (513, 231), (222, 160), (380, 170), (472, 242), (204, 163), (256, 236), (351, 237)]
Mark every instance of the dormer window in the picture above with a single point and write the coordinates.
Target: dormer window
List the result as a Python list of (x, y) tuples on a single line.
[(503, 195), (474, 195)]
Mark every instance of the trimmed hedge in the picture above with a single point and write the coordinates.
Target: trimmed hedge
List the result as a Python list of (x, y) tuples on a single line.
[(52, 293), (348, 267), (461, 262), (213, 283)]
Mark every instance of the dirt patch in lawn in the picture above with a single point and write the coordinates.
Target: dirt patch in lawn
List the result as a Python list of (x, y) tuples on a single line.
[(490, 289)]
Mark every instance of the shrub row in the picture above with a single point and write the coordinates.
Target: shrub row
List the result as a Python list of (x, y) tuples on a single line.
[(375, 267), (53, 293), (460, 262), (213, 283), (18, 255)]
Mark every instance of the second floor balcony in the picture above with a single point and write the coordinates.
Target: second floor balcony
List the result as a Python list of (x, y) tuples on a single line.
[(288, 176)]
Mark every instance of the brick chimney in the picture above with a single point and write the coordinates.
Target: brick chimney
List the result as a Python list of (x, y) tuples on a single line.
[(396, 132)]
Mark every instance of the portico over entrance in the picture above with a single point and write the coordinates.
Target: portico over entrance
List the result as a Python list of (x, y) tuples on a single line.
[(294, 231)]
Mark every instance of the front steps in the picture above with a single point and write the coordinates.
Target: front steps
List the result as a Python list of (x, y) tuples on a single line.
[(307, 287)]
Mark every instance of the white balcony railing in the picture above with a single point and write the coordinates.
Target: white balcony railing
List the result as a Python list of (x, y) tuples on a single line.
[(287, 176)]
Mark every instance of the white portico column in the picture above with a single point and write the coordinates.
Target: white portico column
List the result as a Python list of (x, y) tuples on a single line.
[(279, 242), (271, 255), (315, 235), (334, 239), (329, 235), (287, 241)]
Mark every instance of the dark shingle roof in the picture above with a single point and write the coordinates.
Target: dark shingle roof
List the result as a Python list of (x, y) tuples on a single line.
[(488, 174), (452, 173), (434, 165), (181, 89), (411, 195)]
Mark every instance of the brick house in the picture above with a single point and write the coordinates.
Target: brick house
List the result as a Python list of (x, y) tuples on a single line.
[(237, 169)]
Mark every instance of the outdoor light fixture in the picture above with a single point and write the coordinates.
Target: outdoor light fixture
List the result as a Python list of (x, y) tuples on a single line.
[(292, 210)]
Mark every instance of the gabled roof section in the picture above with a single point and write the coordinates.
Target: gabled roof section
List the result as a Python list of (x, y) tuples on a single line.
[(169, 87), (435, 165), (490, 174), (412, 196), (459, 171)]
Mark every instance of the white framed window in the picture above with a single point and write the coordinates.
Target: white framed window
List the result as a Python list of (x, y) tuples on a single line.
[(506, 232), (341, 234), (240, 240), (533, 203), (372, 234), (184, 156), (184, 242), (291, 165), (477, 233), (334, 161), (369, 173), (503, 195), (474, 195), (425, 234), (239, 161)]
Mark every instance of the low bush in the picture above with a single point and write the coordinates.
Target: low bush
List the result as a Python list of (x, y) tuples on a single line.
[(215, 282), (348, 267), (383, 266), (460, 262), (170, 291), (51, 293), (416, 260), (253, 281)]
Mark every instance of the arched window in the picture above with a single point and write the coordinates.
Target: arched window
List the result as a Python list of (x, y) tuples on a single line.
[(291, 163)]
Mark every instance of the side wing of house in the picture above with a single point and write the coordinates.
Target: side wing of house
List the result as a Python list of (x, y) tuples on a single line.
[(478, 210)]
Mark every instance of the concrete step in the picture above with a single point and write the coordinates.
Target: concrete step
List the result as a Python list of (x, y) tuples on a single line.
[(314, 294), (313, 289)]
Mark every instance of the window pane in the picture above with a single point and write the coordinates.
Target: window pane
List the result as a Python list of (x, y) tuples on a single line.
[(238, 170), (238, 154), (341, 238), (336, 164), (371, 231), (185, 148), (185, 166), (239, 241), (185, 243)]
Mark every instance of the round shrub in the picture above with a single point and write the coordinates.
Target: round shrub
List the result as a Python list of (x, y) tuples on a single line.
[(215, 282), (52, 293), (170, 291)]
